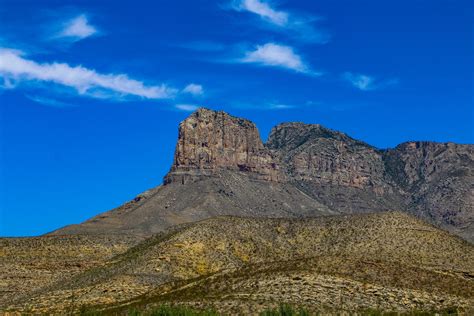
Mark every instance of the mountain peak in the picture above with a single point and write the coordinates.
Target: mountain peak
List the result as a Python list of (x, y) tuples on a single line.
[(210, 141), (290, 135)]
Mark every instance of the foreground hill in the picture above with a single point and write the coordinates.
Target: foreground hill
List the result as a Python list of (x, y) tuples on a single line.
[(388, 261), (28, 264), (221, 167)]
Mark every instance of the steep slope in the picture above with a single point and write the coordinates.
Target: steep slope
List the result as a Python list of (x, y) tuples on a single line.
[(387, 260), (225, 193), (439, 180)]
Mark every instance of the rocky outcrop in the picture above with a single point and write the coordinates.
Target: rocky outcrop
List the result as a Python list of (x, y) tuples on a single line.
[(334, 168), (312, 152), (211, 141)]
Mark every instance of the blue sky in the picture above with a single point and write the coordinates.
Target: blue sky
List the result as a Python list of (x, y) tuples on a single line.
[(91, 93)]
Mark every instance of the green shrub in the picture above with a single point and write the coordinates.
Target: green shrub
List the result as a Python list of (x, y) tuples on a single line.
[(88, 311), (284, 310), (166, 310)]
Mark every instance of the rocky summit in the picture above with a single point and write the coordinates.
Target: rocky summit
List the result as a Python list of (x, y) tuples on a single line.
[(222, 167)]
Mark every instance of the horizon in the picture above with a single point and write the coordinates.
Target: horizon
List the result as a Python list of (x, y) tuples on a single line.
[(91, 97)]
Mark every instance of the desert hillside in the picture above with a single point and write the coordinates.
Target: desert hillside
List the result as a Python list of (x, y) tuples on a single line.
[(388, 261)]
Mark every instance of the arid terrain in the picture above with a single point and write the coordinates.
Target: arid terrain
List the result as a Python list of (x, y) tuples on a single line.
[(312, 218), (389, 261)]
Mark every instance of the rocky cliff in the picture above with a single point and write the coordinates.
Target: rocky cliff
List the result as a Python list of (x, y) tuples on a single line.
[(210, 141), (222, 167)]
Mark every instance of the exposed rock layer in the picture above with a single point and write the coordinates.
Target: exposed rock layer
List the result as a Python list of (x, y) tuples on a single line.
[(210, 141)]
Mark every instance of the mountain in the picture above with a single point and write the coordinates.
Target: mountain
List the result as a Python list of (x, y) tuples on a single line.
[(389, 261), (312, 218), (222, 167)]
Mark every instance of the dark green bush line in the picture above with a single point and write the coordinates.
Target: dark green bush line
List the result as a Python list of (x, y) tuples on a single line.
[(282, 310), (163, 310)]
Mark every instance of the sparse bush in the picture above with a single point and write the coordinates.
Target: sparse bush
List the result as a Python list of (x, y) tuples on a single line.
[(88, 311), (445, 312), (165, 310), (285, 310)]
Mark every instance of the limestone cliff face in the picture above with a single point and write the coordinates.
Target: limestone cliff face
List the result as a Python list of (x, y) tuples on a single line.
[(211, 141)]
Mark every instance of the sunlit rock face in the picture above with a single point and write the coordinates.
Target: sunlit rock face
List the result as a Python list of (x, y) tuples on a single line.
[(210, 141)]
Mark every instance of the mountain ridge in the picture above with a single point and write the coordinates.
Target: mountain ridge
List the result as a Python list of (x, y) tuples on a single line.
[(301, 170)]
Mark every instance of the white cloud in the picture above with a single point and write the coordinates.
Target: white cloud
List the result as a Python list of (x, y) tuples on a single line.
[(298, 26), (365, 82), (13, 66), (362, 82), (77, 28), (187, 107), (194, 89), (280, 106), (276, 55), (262, 9)]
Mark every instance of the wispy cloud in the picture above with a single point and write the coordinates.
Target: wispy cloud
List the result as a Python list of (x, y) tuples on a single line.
[(361, 82), (77, 28), (280, 106), (262, 9), (194, 89), (265, 105), (187, 107), (275, 55), (296, 25), (367, 83), (48, 101), (15, 67)]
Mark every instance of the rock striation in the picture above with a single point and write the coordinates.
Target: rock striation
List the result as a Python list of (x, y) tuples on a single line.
[(438, 179), (334, 168), (312, 152), (211, 141)]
